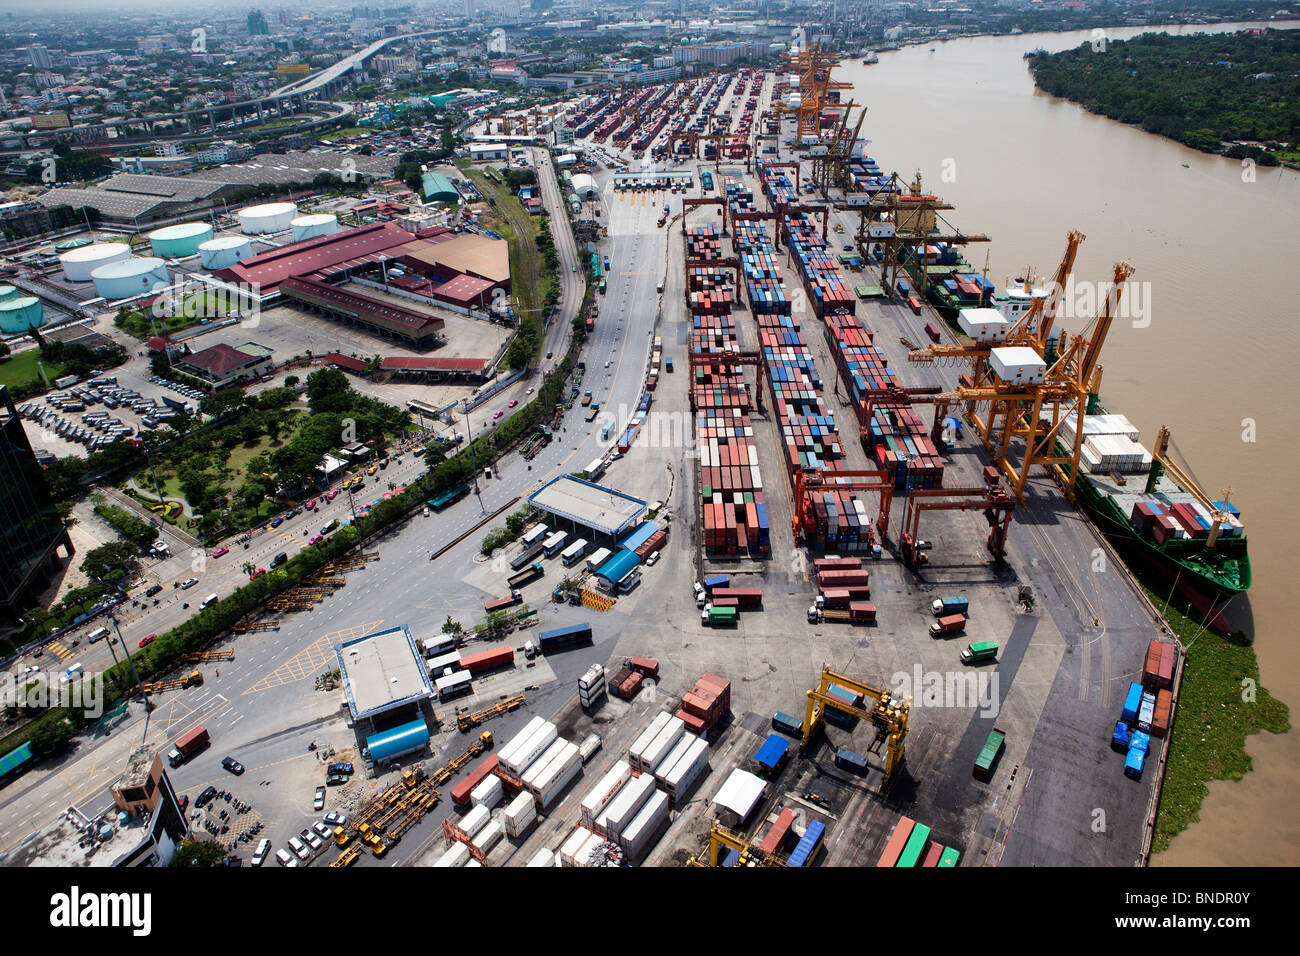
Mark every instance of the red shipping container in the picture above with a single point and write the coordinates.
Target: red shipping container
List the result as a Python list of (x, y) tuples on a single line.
[(693, 724), (486, 660), (1151, 666), (645, 665), (1163, 712), (779, 832), (1168, 660), (460, 793), (628, 689)]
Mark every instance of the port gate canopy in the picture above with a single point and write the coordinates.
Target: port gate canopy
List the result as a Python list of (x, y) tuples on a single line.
[(382, 672), (584, 504)]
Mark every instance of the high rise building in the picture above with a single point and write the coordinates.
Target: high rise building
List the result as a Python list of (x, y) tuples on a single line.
[(40, 56), (257, 24), (31, 531)]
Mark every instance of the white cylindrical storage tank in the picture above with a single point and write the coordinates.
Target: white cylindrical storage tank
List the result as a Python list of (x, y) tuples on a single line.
[(121, 280), (316, 224), (269, 217), (20, 313), (79, 263), (224, 251), (179, 241), (7, 292)]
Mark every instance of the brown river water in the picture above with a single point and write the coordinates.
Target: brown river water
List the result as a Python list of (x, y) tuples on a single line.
[(1209, 353)]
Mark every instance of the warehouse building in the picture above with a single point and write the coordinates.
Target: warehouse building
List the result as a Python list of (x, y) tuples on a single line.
[(387, 689), (377, 316), (220, 365)]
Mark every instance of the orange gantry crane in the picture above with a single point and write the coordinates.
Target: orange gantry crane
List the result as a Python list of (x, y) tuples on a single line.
[(998, 508), (813, 67), (803, 515)]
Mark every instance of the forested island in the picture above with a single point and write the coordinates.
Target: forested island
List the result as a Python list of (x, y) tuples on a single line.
[(1232, 93)]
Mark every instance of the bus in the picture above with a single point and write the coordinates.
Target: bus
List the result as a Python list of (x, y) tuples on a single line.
[(595, 469), (555, 543), (448, 497), (422, 409), (602, 285), (574, 552)]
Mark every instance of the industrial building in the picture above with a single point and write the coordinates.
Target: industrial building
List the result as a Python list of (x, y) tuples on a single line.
[(592, 511), (418, 329), (222, 364), (387, 686), (438, 188), (31, 531)]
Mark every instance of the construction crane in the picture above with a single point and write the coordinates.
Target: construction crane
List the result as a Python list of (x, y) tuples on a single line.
[(802, 516), (467, 721), (721, 839), (997, 504), (192, 679), (813, 67), (885, 712), (1160, 461)]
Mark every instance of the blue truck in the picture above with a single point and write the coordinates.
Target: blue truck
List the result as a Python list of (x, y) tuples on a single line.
[(1119, 737), (562, 637), (1137, 755), (953, 604), (176, 404)]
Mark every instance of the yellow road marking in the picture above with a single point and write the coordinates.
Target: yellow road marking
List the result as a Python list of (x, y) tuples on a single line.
[(308, 662)]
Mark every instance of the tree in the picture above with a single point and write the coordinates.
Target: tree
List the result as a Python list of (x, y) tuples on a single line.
[(193, 853), (451, 626), (291, 381), (110, 562), (328, 391)]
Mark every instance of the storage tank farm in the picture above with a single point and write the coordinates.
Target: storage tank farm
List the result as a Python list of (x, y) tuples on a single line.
[(224, 251), (80, 262), (179, 241), (266, 218)]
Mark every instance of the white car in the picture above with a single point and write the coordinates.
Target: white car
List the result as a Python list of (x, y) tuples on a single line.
[(300, 849), (263, 848), (189, 583), (285, 858), (650, 561), (311, 838), (325, 832)]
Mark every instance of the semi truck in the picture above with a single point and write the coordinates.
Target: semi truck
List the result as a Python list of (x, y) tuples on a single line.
[(586, 398), (979, 651), (501, 603), (715, 616), (988, 756), (530, 573), (952, 604), (951, 624), (188, 745), (526, 555), (857, 612)]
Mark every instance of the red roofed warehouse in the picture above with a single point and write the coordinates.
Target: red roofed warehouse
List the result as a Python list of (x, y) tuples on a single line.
[(223, 364)]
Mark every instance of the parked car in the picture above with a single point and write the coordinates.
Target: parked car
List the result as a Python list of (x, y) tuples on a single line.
[(189, 583), (339, 768), (316, 539), (284, 858), (259, 855), (146, 641), (205, 797), (319, 803), (300, 849), (336, 819), (372, 470), (277, 522), (220, 551), (311, 838), (323, 830), (232, 765)]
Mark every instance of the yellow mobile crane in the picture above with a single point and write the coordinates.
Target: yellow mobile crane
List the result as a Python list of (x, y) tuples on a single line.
[(887, 713)]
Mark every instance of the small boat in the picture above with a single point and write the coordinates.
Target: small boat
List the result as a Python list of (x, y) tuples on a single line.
[(1185, 166)]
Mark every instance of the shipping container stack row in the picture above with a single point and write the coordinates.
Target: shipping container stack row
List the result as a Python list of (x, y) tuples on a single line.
[(910, 845), (828, 291), (810, 439), (896, 436), (1164, 521), (1148, 707), (733, 515), (764, 282), (656, 358), (703, 242)]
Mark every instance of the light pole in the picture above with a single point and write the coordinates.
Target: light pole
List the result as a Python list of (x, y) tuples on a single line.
[(469, 435)]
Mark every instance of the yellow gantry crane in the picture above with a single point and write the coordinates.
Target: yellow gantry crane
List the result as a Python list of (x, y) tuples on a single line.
[(887, 713), (722, 839)]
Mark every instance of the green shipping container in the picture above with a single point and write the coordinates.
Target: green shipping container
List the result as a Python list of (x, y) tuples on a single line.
[(989, 754), (722, 615), (949, 857), (911, 854)]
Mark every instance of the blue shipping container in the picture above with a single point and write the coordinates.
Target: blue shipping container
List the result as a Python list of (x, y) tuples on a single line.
[(808, 844), (563, 636), (1119, 737), (1132, 702), (848, 760), (1134, 763)]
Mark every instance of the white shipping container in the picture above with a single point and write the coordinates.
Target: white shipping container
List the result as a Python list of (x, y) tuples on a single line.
[(670, 759), (538, 767), (625, 806), (682, 777), (665, 742), (518, 739), (600, 795), (475, 820), (456, 855), (559, 782), (519, 815), (594, 675), (530, 750), (488, 836), (645, 826), (647, 736), (573, 844), (488, 793), (557, 764), (543, 857), (472, 862), (583, 856), (983, 325)]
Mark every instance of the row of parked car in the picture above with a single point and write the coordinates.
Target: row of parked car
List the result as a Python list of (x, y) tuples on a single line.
[(96, 431), (184, 389)]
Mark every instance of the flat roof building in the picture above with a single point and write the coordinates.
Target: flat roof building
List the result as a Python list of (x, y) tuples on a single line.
[(382, 672), (589, 506)]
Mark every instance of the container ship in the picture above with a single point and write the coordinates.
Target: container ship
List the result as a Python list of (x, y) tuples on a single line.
[(1153, 508)]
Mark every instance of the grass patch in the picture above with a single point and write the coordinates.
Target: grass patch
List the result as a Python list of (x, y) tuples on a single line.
[(1208, 739), (20, 369), (344, 133)]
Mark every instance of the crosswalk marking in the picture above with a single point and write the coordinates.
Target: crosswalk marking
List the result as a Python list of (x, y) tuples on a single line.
[(309, 661)]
